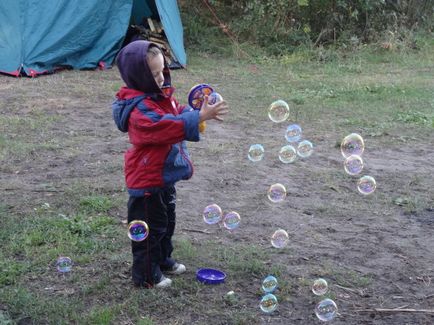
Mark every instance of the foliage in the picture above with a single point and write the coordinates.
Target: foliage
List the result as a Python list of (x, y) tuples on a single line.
[(282, 25)]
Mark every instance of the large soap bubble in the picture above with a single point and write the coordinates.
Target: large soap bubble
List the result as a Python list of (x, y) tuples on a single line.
[(305, 149), (353, 165), (326, 310), (276, 193), (268, 303), (278, 111), (320, 287), (212, 214), (256, 152), (366, 185), (352, 144), (293, 133), (64, 264), (287, 154), (138, 230), (280, 238), (269, 284), (231, 220)]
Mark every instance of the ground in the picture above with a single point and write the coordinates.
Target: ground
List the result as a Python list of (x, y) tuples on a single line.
[(63, 193)]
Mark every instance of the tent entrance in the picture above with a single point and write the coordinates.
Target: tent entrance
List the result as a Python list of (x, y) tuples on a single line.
[(153, 31)]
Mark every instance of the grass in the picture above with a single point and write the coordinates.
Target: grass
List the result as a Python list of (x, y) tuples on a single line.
[(382, 95)]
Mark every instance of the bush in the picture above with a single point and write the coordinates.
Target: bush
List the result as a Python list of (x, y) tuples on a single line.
[(282, 25)]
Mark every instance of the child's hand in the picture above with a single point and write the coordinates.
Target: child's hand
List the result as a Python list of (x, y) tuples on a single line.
[(209, 112)]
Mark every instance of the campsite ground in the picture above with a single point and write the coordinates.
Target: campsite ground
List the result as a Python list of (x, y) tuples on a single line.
[(63, 193)]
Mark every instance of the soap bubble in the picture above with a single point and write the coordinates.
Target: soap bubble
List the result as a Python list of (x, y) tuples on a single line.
[(320, 287), (231, 220), (280, 238), (214, 98), (287, 154), (353, 165), (366, 185), (305, 149), (276, 193), (352, 144), (269, 284), (268, 303), (256, 152), (278, 111), (64, 264), (293, 133), (212, 214), (326, 310), (138, 230)]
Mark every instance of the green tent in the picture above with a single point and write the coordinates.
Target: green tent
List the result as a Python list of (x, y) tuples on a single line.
[(38, 37)]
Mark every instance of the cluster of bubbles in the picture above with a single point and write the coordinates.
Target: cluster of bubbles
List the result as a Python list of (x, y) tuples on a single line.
[(213, 214), (304, 149), (269, 301), (326, 309), (352, 148), (278, 112), (287, 154)]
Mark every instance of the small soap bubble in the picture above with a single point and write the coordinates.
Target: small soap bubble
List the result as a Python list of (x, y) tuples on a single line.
[(366, 185), (268, 303), (326, 310), (231, 220), (320, 287), (305, 149), (276, 193), (353, 165), (287, 154), (256, 152), (269, 284), (352, 144), (214, 98), (280, 238), (293, 133), (64, 264), (212, 214), (138, 230), (278, 111)]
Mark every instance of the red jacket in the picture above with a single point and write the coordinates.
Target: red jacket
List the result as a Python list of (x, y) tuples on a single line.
[(157, 127)]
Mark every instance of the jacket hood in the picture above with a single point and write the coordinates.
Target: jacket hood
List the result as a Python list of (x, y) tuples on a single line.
[(134, 69)]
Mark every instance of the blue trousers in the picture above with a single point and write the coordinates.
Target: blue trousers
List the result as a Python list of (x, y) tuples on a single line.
[(153, 254)]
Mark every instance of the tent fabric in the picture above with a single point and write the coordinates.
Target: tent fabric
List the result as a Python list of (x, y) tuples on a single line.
[(143, 9), (171, 21), (40, 36)]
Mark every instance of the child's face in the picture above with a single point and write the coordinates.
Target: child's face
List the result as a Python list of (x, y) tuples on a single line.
[(156, 65)]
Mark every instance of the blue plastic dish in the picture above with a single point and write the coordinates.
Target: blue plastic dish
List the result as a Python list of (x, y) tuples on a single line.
[(210, 276)]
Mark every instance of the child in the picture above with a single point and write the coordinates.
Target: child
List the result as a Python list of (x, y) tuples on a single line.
[(157, 127)]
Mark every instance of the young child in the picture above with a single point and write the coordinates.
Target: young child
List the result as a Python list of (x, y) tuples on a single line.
[(157, 127)]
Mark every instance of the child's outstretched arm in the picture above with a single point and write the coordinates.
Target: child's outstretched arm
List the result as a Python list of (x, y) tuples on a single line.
[(213, 112)]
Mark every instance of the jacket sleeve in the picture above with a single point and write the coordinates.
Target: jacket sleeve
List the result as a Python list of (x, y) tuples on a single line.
[(148, 127), (182, 108)]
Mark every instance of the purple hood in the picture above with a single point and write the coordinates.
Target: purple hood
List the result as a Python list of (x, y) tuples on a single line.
[(134, 69)]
